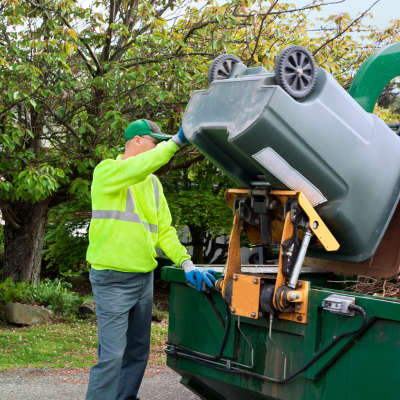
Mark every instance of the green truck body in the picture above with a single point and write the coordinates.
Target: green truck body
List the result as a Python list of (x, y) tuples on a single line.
[(361, 367)]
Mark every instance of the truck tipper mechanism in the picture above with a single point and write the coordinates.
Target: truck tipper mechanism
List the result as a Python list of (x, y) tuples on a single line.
[(318, 180), (296, 222)]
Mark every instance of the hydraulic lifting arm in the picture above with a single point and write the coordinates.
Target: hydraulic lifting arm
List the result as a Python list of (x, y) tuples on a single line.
[(252, 296)]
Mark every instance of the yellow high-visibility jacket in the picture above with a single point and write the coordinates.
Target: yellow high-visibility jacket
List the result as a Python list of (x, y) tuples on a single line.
[(130, 215)]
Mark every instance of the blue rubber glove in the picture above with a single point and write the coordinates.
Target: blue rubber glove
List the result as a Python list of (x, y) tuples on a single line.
[(198, 275), (181, 136)]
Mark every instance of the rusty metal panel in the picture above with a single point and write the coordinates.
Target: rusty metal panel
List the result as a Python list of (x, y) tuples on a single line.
[(385, 263)]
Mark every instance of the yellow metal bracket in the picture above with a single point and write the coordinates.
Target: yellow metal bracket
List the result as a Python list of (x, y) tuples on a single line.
[(245, 296), (323, 234), (300, 309), (245, 289), (233, 264), (317, 226), (301, 304)]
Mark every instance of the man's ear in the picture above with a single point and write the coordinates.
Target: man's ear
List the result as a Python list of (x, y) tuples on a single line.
[(134, 142)]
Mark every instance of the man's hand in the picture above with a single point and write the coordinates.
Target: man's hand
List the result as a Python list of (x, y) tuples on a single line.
[(196, 276), (182, 137)]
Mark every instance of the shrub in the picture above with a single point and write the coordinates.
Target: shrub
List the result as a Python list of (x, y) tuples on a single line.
[(56, 296), (52, 294), (11, 292)]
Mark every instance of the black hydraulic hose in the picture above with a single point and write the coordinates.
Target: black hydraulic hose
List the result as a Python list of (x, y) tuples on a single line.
[(224, 340), (318, 356)]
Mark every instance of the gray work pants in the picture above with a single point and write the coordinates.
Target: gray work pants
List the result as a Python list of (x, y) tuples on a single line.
[(123, 308)]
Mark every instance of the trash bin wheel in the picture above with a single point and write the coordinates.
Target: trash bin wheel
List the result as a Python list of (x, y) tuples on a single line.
[(295, 71), (222, 67)]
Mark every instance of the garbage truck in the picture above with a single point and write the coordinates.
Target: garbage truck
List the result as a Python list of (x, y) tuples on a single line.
[(316, 179)]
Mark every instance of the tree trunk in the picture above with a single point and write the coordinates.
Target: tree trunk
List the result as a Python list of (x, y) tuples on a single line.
[(214, 247), (197, 235), (23, 249)]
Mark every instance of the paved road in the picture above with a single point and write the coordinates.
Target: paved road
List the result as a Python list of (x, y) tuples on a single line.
[(159, 383)]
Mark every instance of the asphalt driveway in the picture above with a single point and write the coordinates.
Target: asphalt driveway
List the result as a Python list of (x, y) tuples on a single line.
[(159, 383)]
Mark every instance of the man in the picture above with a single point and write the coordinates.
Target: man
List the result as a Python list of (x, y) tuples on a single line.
[(130, 218)]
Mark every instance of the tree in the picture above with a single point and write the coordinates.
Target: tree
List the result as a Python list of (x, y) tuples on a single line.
[(73, 77), (388, 105), (389, 95), (196, 200), (396, 105)]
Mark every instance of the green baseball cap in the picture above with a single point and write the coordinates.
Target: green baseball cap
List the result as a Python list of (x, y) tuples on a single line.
[(144, 127)]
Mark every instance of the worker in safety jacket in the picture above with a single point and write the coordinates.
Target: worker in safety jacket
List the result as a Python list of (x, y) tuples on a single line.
[(130, 217)]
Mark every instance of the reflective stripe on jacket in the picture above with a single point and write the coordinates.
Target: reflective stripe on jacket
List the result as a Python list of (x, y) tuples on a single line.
[(130, 215)]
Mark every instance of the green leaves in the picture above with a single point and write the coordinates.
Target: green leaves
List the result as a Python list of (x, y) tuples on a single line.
[(108, 114), (66, 98), (79, 187), (11, 292), (73, 34), (22, 174), (33, 184)]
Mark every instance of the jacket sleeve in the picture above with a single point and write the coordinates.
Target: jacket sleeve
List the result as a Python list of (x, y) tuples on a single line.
[(168, 240), (112, 176)]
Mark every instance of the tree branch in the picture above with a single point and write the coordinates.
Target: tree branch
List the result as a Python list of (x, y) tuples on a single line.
[(106, 51), (193, 29), (91, 52), (119, 52), (188, 163), (96, 61), (9, 216), (289, 11), (341, 33), (170, 166), (61, 120), (153, 60), (261, 26)]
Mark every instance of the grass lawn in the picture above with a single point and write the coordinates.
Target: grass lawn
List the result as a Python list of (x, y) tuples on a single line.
[(62, 344)]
